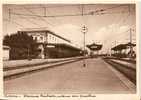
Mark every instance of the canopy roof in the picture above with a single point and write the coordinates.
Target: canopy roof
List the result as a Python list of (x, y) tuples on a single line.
[(123, 46), (130, 44), (95, 47), (61, 45)]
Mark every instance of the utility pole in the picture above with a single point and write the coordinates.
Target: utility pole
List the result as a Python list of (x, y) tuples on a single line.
[(115, 46), (82, 10), (45, 12), (9, 10), (84, 30), (131, 48), (130, 35)]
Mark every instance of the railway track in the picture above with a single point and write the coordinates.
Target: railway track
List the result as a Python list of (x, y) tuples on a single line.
[(129, 72)]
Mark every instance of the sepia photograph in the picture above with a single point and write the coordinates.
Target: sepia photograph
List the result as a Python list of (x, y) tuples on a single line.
[(69, 48)]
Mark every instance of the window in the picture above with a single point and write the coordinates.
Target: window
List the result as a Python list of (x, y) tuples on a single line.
[(41, 38), (36, 38)]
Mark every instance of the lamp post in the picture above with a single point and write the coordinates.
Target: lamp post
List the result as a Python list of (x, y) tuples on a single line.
[(84, 30)]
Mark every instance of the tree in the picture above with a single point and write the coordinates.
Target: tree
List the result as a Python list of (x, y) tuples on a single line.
[(22, 45)]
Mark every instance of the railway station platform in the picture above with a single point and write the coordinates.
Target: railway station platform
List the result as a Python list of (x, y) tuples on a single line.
[(25, 62), (97, 77), (16, 68)]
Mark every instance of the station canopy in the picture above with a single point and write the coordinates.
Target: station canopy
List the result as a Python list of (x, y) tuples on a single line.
[(130, 44), (62, 45), (95, 47), (123, 46)]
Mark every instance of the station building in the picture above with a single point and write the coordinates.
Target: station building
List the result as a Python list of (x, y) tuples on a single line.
[(51, 45)]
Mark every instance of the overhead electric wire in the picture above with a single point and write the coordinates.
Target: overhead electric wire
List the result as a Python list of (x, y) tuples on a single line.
[(82, 9), (48, 15), (118, 34), (123, 22), (14, 22), (38, 17), (42, 18), (66, 15), (28, 20), (111, 8), (54, 25), (125, 19), (96, 12), (39, 7)]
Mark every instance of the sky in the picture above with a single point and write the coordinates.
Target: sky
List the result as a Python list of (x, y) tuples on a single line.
[(109, 27)]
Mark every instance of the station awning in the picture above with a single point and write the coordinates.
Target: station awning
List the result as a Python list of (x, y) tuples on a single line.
[(119, 47), (62, 45), (95, 47), (123, 46), (130, 44)]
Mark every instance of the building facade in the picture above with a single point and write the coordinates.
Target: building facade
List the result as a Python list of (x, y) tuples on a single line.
[(51, 45)]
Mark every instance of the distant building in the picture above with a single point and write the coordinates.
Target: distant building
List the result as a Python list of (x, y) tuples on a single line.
[(125, 50), (52, 45), (6, 50)]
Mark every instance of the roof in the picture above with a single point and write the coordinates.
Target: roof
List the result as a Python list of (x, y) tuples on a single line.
[(94, 46), (31, 31), (119, 47), (130, 44), (122, 46), (64, 45)]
